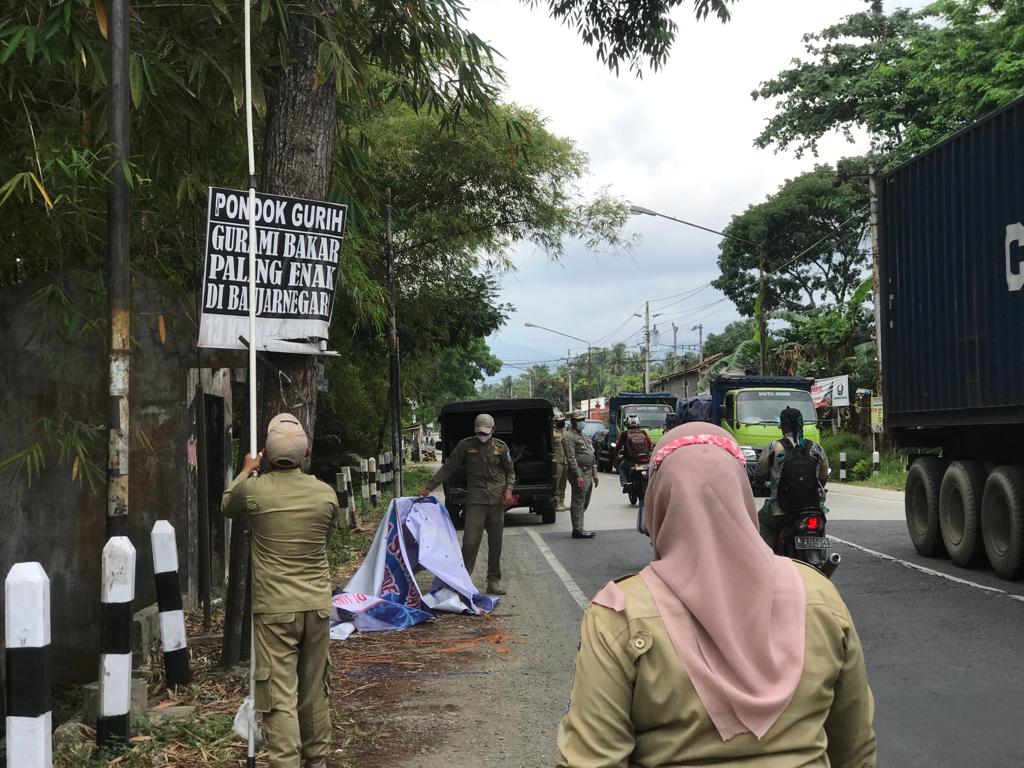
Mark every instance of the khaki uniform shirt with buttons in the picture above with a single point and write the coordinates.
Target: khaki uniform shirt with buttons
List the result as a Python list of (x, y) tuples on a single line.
[(557, 437), (579, 453), (489, 470), (633, 704), (291, 516)]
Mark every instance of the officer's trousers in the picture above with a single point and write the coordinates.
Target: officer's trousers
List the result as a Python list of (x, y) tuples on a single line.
[(478, 518), (581, 498), (292, 686), (561, 476)]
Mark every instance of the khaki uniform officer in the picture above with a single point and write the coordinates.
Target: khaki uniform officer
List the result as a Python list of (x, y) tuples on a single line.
[(561, 475), (490, 478), (291, 516), (579, 458)]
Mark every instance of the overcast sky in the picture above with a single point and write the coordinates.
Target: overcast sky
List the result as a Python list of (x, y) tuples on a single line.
[(679, 141)]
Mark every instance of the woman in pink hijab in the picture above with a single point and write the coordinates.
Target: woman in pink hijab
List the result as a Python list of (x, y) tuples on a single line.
[(718, 653)]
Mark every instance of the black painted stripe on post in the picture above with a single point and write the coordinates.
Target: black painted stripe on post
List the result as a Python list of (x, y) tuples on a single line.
[(176, 667), (168, 591), (28, 675), (112, 729), (116, 628)]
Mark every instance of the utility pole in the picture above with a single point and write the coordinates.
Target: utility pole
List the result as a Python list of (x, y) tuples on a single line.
[(394, 359), (876, 282), (675, 339), (761, 323), (647, 346), (118, 276), (699, 328), (568, 367)]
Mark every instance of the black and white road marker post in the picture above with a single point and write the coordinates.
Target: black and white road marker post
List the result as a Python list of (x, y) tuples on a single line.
[(168, 598), (876, 463), (389, 463), (364, 479), (842, 466), (371, 466), (117, 590), (27, 678)]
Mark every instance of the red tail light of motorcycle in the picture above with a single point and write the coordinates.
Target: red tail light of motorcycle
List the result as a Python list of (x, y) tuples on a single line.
[(814, 523)]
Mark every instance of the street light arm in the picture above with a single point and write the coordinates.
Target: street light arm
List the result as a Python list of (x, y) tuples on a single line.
[(641, 211), (551, 330)]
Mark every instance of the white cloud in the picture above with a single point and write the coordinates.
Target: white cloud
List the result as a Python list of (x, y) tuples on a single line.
[(679, 141)]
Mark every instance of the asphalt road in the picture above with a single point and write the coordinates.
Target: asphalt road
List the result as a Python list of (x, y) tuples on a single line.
[(942, 643)]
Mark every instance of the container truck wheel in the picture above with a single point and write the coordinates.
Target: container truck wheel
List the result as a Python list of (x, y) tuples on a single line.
[(921, 502), (960, 511), (1002, 521)]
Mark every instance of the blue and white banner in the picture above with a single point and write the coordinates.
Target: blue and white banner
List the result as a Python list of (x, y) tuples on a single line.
[(415, 534)]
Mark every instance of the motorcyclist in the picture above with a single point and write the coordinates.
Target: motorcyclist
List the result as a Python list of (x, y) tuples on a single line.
[(628, 450), (771, 516)]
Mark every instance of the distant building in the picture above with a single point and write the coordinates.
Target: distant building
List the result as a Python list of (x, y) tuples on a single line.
[(685, 382)]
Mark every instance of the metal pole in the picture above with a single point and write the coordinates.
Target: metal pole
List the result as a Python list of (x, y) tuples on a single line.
[(876, 282), (761, 321), (675, 339), (568, 366), (699, 328), (118, 279), (395, 378), (647, 346)]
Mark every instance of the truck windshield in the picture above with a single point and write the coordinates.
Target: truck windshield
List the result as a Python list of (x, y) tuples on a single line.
[(763, 406), (651, 416)]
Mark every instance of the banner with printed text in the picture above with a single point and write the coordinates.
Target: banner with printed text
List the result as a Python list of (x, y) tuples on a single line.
[(831, 392), (298, 250)]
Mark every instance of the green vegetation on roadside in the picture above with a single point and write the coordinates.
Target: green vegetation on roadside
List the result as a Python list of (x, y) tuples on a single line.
[(893, 465)]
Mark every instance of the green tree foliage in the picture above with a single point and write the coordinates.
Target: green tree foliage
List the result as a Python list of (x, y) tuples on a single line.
[(906, 77), (731, 337), (629, 32), (811, 234), (416, 112)]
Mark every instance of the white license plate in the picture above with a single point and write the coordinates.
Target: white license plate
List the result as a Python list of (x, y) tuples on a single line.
[(811, 542)]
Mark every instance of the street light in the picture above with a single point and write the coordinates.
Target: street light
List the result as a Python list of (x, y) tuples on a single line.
[(568, 354), (639, 210), (529, 374)]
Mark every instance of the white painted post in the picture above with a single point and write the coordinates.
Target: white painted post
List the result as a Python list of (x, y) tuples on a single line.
[(27, 640), (168, 597), (371, 467), (876, 463), (117, 590), (351, 496), (364, 478), (842, 466)]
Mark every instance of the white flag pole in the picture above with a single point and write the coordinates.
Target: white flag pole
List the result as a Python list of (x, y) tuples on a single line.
[(251, 755)]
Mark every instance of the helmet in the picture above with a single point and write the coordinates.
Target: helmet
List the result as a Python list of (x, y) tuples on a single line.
[(632, 421)]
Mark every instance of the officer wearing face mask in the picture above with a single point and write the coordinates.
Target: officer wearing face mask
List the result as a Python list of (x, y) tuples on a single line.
[(490, 478), (579, 458)]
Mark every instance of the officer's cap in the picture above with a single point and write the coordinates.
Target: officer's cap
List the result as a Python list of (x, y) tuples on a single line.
[(483, 422), (578, 415), (286, 441)]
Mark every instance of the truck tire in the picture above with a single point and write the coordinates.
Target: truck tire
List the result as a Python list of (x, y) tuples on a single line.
[(960, 511), (547, 513), (921, 503), (1002, 521)]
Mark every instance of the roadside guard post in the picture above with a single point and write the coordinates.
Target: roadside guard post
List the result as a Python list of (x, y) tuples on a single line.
[(117, 590), (842, 467), (371, 466), (168, 597), (27, 682)]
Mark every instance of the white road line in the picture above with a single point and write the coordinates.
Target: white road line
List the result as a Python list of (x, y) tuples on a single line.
[(863, 497), (574, 590), (929, 571)]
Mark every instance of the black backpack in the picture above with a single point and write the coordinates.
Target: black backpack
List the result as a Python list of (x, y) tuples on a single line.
[(798, 482)]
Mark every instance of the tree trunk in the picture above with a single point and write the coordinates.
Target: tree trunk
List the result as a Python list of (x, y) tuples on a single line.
[(297, 163)]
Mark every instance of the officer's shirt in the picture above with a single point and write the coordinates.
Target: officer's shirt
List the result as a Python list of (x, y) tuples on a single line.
[(291, 516), (489, 469)]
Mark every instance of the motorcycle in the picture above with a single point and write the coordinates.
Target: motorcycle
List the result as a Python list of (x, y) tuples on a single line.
[(804, 539), (636, 487)]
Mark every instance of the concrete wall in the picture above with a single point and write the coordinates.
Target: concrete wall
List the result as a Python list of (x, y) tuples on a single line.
[(50, 366)]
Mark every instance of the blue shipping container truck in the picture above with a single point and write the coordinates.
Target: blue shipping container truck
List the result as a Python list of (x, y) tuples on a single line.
[(951, 267)]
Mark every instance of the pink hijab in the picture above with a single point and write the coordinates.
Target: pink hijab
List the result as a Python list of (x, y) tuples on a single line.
[(734, 611)]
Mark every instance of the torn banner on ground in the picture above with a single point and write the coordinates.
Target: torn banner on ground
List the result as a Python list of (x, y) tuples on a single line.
[(415, 534)]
